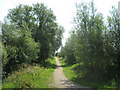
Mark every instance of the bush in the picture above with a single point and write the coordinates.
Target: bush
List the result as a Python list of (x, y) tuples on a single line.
[(20, 48)]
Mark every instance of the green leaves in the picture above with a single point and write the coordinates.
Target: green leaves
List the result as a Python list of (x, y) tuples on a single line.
[(20, 47), (42, 23), (30, 34), (3, 54), (95, 44)]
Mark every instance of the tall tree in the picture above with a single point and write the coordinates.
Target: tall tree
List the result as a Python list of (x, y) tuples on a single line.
[(114, 36), (42, 24)]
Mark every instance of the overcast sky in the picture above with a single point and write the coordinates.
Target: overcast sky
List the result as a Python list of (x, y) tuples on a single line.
[(64, 10)]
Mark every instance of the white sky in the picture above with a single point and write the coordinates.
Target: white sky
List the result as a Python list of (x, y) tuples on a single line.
[(64, 10)]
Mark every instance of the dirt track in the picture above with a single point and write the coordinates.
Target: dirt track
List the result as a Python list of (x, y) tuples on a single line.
[(60, 81)]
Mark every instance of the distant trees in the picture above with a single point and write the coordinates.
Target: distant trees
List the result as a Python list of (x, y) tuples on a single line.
[(29, 34), (68, 51), (95, 44)]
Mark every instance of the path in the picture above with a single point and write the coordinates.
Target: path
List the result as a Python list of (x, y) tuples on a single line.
[(60, 81)]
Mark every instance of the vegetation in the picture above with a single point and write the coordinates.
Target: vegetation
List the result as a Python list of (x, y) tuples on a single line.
[(31, 76), (94, 47), (75, 73), (30, 35)]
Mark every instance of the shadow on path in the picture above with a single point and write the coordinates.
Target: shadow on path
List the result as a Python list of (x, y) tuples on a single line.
[(60, 81)]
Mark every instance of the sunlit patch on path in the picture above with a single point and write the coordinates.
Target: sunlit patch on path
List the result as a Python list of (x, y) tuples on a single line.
[(60, 81)]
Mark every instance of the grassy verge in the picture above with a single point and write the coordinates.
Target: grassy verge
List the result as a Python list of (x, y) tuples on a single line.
[(31, 76), (77, 76)]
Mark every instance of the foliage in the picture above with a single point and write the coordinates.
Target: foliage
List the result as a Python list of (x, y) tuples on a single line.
[(30, 76), (95, 44), (30, 34), (20, 47), (42, 24)]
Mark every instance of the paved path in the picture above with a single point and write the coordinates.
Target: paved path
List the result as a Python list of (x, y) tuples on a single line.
[(60, 81)]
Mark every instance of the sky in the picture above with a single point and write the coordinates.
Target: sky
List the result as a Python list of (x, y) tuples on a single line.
[(64, 10)]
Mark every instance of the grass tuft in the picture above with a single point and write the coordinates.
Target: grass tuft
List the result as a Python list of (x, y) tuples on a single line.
[(76, 74), (32, 76)]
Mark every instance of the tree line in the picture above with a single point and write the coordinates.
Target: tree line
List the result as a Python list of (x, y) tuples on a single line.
[(94, 43), (29, 34)]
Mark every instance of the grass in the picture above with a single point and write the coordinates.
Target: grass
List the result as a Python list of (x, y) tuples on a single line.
[(77, 76), (32, 76)]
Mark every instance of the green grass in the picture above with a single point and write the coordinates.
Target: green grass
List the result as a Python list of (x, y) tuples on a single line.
[(31, 77), (77, 76), (69, 72)]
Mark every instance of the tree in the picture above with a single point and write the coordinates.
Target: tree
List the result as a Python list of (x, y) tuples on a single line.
[(114, 36), (30, 34), (86, 45), (42, 24), (20, 47), (95, 45), (69, 50)]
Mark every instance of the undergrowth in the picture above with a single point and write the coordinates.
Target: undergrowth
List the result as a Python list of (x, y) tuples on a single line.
[(31, 76)]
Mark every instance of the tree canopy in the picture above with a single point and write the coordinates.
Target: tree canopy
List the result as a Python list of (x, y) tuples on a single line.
[(95, 44), (30, 34)]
